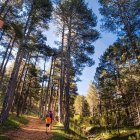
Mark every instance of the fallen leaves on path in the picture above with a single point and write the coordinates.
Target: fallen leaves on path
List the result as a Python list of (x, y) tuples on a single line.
[(34, 130)]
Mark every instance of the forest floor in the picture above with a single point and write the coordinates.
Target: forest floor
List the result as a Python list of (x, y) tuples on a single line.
[(34, 130)]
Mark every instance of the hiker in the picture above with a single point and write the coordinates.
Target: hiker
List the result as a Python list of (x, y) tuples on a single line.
[(51, 116), (48, 122)]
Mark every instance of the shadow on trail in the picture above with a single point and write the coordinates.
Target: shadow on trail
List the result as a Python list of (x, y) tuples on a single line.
[(34, 130), (29, 134)]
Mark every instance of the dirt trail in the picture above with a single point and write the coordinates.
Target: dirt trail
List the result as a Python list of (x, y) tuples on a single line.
[(34, 130)]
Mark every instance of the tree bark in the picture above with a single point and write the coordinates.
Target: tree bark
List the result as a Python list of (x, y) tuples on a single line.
[(42, 92), (5, 55), (48, 87), (67, 88), (8, 57), (20, 84), (61, 78), (52, 87), (26, 94), (8, 100)]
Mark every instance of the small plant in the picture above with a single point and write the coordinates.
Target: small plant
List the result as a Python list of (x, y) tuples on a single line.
[(136, 137)]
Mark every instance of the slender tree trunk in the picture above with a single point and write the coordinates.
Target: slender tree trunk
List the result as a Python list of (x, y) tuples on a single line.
[(52, 87), (48, 87), (24, 72), (61, 78), (67, 88), (56, 99), (26, 93), (119, 85), (8, 57), (64, 93), (51, 98), (20, 84), (24, 97), (5, 56), (137, 108), (42, 92)]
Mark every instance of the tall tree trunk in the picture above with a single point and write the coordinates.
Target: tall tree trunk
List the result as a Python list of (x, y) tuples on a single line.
[(5, 55), (48, 86), (52, 87), (137, 108), (51, 98), (55, 100), (8, 100), (119, 85), (20, 84), (67, 88), (26, 94), (61, 78), (24, 97), (42, 92), (8, 57)]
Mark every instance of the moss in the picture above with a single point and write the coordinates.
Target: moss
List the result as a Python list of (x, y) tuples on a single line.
[(59, 134), (3, 137), (12, 122)]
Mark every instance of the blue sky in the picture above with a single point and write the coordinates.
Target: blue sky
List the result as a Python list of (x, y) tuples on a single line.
[(100, 46)]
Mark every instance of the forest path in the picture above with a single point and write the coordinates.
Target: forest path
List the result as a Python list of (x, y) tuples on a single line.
[(34, 130)]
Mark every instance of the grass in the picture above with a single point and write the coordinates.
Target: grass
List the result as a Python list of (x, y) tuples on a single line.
[(11, 123), (59, 134), (3, 137), (125, 134)]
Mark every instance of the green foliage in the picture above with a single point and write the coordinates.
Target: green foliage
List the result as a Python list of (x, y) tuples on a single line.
[(117, 81), (81, 106), (136, 137), (59, 134), (13, 122), (3, 137), (92, 100), (123, 18), (77, 17)]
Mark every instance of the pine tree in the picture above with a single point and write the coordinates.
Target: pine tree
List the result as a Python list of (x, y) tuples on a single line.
[(123, 18), (92, 99), (76, 24)]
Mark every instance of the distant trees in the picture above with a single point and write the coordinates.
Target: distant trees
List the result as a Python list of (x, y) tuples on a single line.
[(81, 106), (119, 98), (92, 100)]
